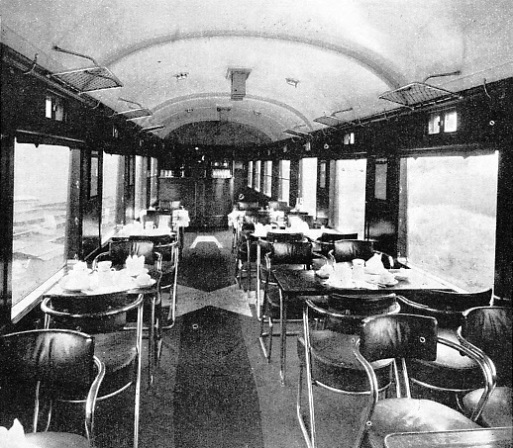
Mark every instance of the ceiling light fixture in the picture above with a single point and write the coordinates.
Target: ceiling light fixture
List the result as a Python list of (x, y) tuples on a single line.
[(181, 76), (292, 82), (238, 77)]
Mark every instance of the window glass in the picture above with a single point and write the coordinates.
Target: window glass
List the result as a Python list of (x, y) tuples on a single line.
[(113, 174), (250, 174), (258, 165), (347, 201), (284, 181), (40, 205), (308, 185), (268, 172), (451, 217)]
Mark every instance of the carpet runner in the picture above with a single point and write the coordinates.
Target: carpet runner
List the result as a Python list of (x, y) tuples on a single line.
[(215, 398)]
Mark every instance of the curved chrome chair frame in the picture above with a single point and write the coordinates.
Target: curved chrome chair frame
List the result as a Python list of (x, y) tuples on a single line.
[(136, 304)]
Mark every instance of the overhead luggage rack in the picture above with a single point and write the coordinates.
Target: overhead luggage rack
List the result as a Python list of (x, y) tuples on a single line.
[(332, 120), (133, 114), (87, 79), (420, 93)]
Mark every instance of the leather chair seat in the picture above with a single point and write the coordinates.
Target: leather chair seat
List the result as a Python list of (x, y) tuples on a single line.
[(56, 440), (450, 370), (412, 415), (497, 411), (118, 352), (334, 363)]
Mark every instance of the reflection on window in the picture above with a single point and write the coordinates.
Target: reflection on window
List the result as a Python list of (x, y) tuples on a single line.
[(258, 165), (268, 172), (451, 217), (40, 205), (284, 181), (348, 198), (250, 174), (113, 175)]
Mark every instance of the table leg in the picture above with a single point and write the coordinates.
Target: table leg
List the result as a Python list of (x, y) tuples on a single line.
[(283, 337), (151, 341), (258, 307)]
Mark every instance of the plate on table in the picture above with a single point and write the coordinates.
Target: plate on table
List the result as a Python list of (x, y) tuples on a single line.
[(68, 284), (145, 285), (392, 283)]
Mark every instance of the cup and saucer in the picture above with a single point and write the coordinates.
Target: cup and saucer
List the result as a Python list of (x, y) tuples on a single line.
[(387, 279), (144, 280)]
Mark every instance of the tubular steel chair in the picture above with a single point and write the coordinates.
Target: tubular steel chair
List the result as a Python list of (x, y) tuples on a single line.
[(290, 255), (104, 317), (450, 372), (167, 248), (40, 367), (488, 330), (325, 349), (348, 250), (398, 337), (162, 266)]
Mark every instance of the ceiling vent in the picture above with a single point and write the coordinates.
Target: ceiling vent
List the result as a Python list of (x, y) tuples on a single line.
[(238, 77)]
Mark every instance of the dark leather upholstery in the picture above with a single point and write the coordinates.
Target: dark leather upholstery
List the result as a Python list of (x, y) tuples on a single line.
[(446, 306), (297, 252), (363, 304), (412, 415), (399, 336), (348, 250), (325, 243), (62, 361), (451, 370), (490, 329), (405, 336), (334, 363)]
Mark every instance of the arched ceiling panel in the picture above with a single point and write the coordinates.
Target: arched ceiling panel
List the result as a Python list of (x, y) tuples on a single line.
[(343, 54)]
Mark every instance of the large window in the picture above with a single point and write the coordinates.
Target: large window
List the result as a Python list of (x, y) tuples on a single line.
[(113, 183), (451, 209), (308, 185), (268, 177), (347, 195), (284, 181), (250, 174), (258, 174), (41, 176)]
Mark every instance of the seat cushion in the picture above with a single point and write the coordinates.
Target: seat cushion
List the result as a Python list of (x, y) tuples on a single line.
[(497, 411), (334, 363), (56, 440), (118, 352), (450, 370), (411, 415)]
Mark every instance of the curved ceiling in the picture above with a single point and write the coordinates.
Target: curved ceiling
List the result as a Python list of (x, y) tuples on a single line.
[(175, 58)]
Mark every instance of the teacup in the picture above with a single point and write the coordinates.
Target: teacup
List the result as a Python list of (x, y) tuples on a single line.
[(80, 266), (104, 265), (386, 278), (143, 279)]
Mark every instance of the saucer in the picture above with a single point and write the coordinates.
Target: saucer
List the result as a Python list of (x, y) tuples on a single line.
[(135, 274), (146, 285), (392, 283)]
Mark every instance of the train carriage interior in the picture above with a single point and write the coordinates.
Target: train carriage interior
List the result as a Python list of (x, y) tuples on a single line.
[(167, 167)]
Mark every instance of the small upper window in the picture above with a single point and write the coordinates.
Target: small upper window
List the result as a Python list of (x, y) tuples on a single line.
[(349, 138), (54, 108), (443, 122)]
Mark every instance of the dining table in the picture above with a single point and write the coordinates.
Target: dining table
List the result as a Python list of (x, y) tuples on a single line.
[(122, 281), (463, 438), (296, 285)]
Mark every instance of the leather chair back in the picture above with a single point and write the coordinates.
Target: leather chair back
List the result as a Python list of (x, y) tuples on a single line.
[(283, 237), (295, 252), (399, 336), (490, 329), (348, 250), (446, 306)]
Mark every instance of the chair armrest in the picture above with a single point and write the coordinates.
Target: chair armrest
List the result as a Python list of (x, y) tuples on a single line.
[(486, 365), (91, 399)]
